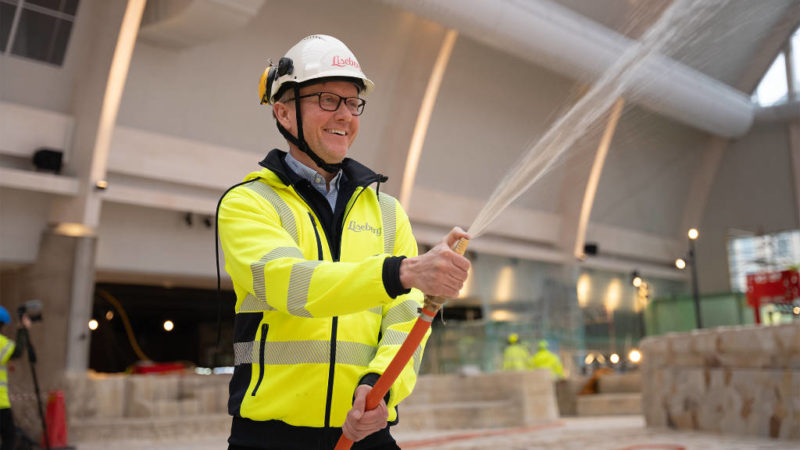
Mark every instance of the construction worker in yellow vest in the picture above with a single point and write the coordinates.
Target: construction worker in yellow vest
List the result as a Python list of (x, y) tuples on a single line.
[(515, 356), (545, 359), (9, 350)]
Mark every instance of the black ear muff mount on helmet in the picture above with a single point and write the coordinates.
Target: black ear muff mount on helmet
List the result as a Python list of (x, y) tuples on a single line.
[(285, 67)]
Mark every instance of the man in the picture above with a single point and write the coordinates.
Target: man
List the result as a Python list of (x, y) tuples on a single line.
[(545, 359), (515, 356), (9, 350), (325, 268)]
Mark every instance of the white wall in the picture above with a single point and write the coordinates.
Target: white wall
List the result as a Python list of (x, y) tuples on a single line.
[(25, 129), (142, 240), (753, 192), (23, 217), (648, 174), (490, 109), (210, 92)]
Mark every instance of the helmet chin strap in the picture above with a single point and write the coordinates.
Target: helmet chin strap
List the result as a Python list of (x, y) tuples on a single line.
[(300, 141)]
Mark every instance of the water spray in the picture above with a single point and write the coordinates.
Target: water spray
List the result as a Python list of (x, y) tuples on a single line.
[(682, 15)]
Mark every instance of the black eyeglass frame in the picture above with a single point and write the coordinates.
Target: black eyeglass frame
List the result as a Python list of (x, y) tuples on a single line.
[(359, 108)]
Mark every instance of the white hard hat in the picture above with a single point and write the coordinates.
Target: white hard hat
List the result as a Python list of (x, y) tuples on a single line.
[(314, 57)]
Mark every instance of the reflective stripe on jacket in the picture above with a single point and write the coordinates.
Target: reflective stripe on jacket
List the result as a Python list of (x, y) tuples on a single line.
[(312, 306), (6, 349)]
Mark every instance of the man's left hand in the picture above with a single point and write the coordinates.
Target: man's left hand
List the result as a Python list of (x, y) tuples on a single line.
[(360, 423)]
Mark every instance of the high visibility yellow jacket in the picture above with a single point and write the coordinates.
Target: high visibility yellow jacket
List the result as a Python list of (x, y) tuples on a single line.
[(6, 350), (545, 359), (515, 358), (319, 304)]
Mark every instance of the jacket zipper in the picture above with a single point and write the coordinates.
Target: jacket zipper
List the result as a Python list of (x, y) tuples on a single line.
[(331, 370), (334, 320), (316, 233), (334, 326), (261, 357)]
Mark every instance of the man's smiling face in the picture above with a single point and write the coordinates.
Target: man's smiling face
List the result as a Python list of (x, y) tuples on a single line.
[(328, 133)]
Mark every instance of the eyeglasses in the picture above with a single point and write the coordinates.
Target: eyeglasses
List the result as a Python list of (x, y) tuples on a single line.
[(328, 101)]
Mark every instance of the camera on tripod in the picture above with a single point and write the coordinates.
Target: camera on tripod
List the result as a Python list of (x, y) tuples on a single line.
[(32, 309)]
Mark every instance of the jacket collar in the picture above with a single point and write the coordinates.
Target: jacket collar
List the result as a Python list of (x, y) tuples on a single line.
[(354, 171)]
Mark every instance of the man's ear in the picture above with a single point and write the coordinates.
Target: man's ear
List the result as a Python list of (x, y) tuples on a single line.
[(282, 114)]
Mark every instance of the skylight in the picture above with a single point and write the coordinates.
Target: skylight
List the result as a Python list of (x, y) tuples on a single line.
[(774, 87)]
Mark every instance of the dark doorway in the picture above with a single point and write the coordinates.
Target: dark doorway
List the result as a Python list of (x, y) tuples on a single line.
[(193, 313)]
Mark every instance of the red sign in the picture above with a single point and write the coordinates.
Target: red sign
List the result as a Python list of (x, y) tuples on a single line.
[(773, 287)]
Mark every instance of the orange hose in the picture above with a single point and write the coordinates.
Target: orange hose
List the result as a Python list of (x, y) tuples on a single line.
[(403, 355), (391, 373)]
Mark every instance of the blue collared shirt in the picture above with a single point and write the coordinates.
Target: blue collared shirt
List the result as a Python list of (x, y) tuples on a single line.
[(316, 180)]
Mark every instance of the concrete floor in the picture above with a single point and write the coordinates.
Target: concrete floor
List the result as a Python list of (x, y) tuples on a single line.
[(612, 433)]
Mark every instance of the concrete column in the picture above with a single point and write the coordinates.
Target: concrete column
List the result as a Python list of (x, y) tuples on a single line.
[(794, 151), (424, 116), (95, 105), (791, 78), (594, 177), (63, 279), (63, 276)]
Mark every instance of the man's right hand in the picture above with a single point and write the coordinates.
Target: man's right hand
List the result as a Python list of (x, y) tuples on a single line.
[(26, 321), (360, 423), (440, 272)]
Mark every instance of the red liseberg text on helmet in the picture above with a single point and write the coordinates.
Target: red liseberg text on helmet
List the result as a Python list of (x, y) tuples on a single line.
[(339, 61)]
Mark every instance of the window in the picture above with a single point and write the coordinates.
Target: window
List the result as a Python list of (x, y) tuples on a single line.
[(37, 29), (774, 86), (767, 253)]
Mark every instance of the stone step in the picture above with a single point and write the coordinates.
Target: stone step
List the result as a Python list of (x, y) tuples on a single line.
[(441, 416), (167, 407), (99, 429), (618, 383), (432, 389), (610, 404), (461, 415)]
